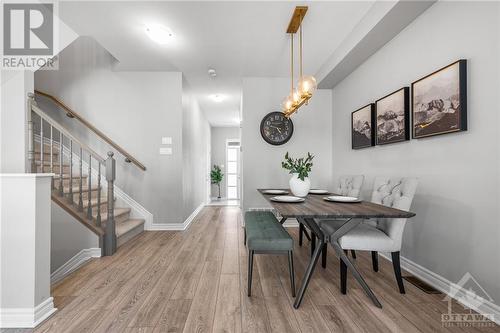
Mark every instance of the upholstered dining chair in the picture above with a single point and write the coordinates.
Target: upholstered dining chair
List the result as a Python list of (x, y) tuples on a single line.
[(378, 235), (348, 186)]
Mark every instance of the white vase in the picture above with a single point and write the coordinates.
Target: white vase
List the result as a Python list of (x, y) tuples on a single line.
[(299, 188)]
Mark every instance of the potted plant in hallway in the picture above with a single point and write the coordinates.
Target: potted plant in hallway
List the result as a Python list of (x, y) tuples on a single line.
[(299, 168), (216, 176)]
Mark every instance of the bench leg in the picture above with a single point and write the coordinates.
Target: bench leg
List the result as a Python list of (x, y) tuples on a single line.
[(324, 254), (375, 261), (301, 233), (250, 268), (292, 273), (343, 277)]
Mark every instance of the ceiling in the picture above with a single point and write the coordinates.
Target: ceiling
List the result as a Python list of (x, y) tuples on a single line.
[(238, 39)]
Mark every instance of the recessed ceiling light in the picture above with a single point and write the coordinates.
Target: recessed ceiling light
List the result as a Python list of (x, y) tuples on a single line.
[(217, 97), (212, 73), (159, 34)]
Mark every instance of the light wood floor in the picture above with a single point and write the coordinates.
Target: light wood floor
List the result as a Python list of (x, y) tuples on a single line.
[(195, 281)]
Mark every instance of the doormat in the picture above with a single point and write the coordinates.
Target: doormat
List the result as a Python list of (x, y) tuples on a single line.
[(426, 288)]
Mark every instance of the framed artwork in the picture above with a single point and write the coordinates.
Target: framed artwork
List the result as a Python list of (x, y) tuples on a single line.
[(362, 124), (439, 101), (392, 117)]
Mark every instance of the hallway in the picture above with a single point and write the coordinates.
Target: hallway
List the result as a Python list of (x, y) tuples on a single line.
[(195, 281)]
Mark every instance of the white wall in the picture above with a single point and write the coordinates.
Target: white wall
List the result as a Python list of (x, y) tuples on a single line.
[(196, 153), (456, 229), (220, 135), (13, 120), (261, 161), (135, 109), (68, 237)]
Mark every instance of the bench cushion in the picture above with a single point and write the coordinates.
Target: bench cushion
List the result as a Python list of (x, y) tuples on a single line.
[(265, 233)]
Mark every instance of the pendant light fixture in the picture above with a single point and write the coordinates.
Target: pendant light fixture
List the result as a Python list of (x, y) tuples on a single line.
[(306, 84)]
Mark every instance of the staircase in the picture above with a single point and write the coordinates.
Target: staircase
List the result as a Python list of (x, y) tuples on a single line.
[(83, 184)]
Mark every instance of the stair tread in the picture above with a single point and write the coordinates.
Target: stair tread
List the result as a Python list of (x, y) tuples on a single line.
[(66, 176), (47, 162), (124, 227), (116, 212), (76, 188), (93, 202)]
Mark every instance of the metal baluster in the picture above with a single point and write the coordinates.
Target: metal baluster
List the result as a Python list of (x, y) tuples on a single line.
[(80, 186), (98, 218), (70, 171), (89, 197), (110, 235), (52, 153), (31, 136), (61, 192), (41, 144)]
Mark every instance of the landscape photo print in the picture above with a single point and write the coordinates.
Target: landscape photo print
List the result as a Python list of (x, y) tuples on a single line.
[(362, 123), (439, 101), (392, 117)]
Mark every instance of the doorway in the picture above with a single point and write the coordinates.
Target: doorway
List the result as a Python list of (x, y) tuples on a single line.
[(233, 170)]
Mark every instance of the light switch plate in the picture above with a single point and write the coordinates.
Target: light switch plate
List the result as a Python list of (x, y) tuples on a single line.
[(166, 140), (165, 151)]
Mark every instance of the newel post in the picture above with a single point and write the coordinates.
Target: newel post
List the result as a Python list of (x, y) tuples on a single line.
[(110, 236), (31, 135)]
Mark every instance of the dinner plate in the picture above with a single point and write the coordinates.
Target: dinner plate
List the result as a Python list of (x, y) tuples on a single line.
[(275, 192), (287, 198), (318, 191), (337, 198)]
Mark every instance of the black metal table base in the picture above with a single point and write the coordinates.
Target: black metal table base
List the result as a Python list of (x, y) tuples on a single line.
[(316, 253)]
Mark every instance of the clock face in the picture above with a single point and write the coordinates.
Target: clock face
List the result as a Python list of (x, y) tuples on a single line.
[(276, 129)]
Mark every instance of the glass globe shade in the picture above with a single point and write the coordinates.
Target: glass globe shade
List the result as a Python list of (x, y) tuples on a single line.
[(287, 103), (307, 85)]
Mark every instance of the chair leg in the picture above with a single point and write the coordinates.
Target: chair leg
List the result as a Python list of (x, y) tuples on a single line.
[(324, 255), (244, 236), (301, 233), (292, 273), (375, 261), (250, 269), (343, 277), (397, 271), (353, 253)]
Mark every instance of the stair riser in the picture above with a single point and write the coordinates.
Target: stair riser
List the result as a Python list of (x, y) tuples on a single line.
[(118, 219), (46, 148), (76, 182), (104, 206), (46, 157), (129, 235), (85, 195), (46, 168)]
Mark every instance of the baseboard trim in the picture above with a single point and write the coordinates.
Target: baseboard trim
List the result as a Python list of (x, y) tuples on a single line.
[(27, 317), (451, 289), (177, 226), (74, 263)]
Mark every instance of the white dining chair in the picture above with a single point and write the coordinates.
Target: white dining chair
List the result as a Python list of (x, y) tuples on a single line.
[(348, 186), (378, 235)]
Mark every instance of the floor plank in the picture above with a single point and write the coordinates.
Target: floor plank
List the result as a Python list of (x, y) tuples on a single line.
[(196, 281)]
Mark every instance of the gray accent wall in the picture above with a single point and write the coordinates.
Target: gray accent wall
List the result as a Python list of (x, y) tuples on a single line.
[(261, 162), (220, 135), (456, 229)]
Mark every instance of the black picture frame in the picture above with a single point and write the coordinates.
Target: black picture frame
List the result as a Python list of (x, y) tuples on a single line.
[(356, 141), (406, 121), (460, 123)]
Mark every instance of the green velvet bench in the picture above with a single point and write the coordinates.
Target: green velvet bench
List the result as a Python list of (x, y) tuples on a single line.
[(265, 235)]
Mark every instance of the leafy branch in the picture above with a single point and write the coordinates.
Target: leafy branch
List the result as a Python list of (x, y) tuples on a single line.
[(301, 166)]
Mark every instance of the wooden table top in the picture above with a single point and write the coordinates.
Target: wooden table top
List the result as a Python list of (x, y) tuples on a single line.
[(315, 207)]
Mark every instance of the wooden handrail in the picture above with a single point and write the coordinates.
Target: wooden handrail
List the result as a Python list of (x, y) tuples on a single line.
[(73, 114)]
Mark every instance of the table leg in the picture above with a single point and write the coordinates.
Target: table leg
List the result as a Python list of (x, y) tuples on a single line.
[(315, 230), (334, 240)]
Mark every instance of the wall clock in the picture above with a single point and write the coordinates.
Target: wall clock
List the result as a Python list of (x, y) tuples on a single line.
[(276, 129)]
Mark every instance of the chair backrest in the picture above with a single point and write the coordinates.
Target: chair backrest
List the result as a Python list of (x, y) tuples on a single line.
[(397, 193), (350, 185)]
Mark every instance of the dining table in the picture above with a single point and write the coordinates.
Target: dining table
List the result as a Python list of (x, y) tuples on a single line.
[(314, 208)]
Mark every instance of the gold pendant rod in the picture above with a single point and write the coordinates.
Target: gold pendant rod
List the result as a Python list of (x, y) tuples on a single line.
[(291, 91)]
